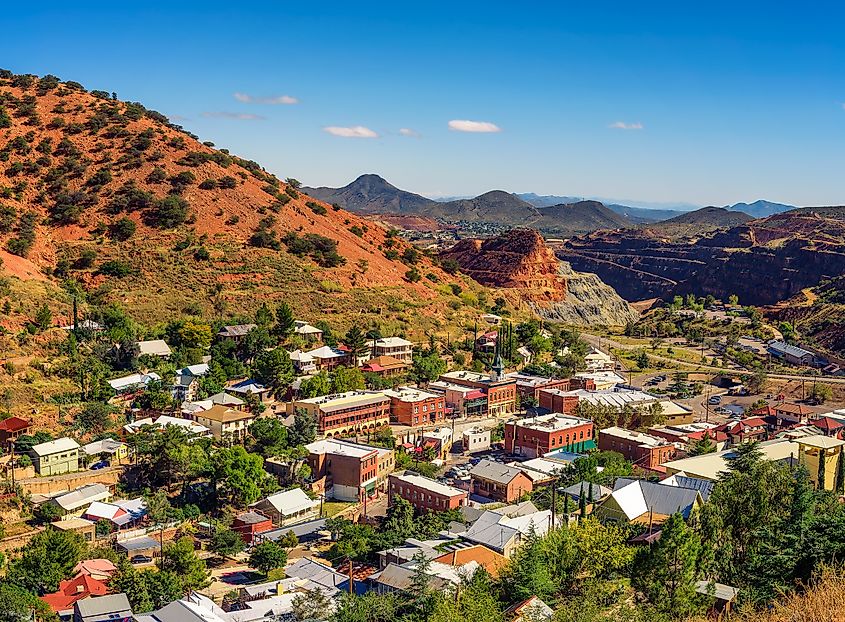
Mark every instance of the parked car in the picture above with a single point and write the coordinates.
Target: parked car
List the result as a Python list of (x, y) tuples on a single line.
[(722, 411), (716, 399), (141, 559), (102, 464)]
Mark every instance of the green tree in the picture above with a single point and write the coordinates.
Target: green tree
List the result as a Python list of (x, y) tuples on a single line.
[(241, 478), (226, 542), (427, 368), (18, 604), (285, 323), (303, 430), (311, 606), (267, 556), (270, 436), (347, 379), (180, 558), (671, 568), (43, 317), (95, 417), (47, 559), (316, 386), (275, 370), (356, 341), (703, 446)]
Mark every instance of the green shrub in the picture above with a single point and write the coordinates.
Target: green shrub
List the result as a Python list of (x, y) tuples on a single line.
[(227, 183), (157, 176), (115, 268), (122, 229), (169, 212), (317, 208), (208, 184)]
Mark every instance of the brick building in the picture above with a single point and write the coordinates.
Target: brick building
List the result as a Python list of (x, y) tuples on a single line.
[(415, 407), (644, 450), (346, 413), (249, 524), (499, 390), (528, 386), (348, 471), (423, 493), (499, 482), (535, 436)]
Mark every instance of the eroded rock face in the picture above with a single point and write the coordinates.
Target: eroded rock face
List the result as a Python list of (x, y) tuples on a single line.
[(520, 260)]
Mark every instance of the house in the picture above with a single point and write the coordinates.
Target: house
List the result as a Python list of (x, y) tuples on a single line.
[(100, 569), (192, 428), (109, 608), (72, 590), (143, 546), (821, 455), (86, 529), (72, 504), (395, 347), (235, 333), (829, 426), (55, 457), (791, 354), (459, 556), (288, 507), (690, 432), (499, 482), (644, 450), (413, 407), (709, 466), (535, 436), (120, 514), (525, 354), (492, 318), (248, 387), (592, 492), (596, 360), (248, 524), (505, 529), (530, 610), (114, 451), (225, 423), (10, 429), (385, 366), (154, 347), (308, 333), (303, 363), (309, 531), (475, 439), (348, 471), (788, 413), (133, 382), (423, 493), (486, 342), (644, 502), (186, 385), (327, 358), (543, 470), (499, 390), (605, 380), (749, 429), (346, 413), (438, 440), (396, 578)]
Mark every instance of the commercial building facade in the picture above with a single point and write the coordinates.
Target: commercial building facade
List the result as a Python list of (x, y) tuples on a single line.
[(423, 493), (500, 391), (347, 413), (414, 407), (348, 471), (645, 450), (535, 436)]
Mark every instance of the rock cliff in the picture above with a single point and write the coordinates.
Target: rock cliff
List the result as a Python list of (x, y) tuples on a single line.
[(520, 261)]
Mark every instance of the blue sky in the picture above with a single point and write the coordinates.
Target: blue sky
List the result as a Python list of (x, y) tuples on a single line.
[(712, 104)]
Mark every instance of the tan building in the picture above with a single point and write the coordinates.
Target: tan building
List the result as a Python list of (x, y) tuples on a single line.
[(344, 414), (225, 423), (811, 451)]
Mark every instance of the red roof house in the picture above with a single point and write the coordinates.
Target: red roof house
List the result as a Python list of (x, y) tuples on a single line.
[(12, 428), (829, 426), (79, 587)]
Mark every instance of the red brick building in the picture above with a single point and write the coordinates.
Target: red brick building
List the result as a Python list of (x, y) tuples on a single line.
[(535, 436), (557, 400), (426, 495), (248, 524), (500, 391), (414, 407), (528, 386), (499, 482), (348, 471), (644, 450)]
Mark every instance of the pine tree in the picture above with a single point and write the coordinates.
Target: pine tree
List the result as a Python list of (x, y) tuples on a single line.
[(671, 569), (284, 321), (356, 341)]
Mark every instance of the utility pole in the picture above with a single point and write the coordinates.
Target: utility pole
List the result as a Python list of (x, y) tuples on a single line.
[(12, 462), (351, 582)]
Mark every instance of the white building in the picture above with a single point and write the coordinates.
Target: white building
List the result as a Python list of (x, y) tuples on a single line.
[(476, 439), (396, 347)]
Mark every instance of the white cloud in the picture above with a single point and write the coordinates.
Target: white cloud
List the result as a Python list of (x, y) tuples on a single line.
[(462, 125), (621, 125), (177, 117), (284, 100), (356, 131), (240, 116), (406, 131)]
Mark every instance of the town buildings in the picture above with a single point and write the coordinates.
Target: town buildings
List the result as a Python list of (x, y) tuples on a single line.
[(535, 436), (423, 493), (225, 423), (414, 407), (154, 347), (343, 414), (290, 506), (475, 439), (55, 457), (461, 400), (396, 347), (791, 354), (528, 387), (11, 429), (499, 482), (499, 391), (644, 450), (348, 471), (818, 449), (385, 366), (235, 333)]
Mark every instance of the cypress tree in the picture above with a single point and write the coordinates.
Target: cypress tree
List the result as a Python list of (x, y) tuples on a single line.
[(582, 503), (821, 474), (566, 503)]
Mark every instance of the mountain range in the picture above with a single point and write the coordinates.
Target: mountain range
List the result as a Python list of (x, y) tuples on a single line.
[(372, 194)]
